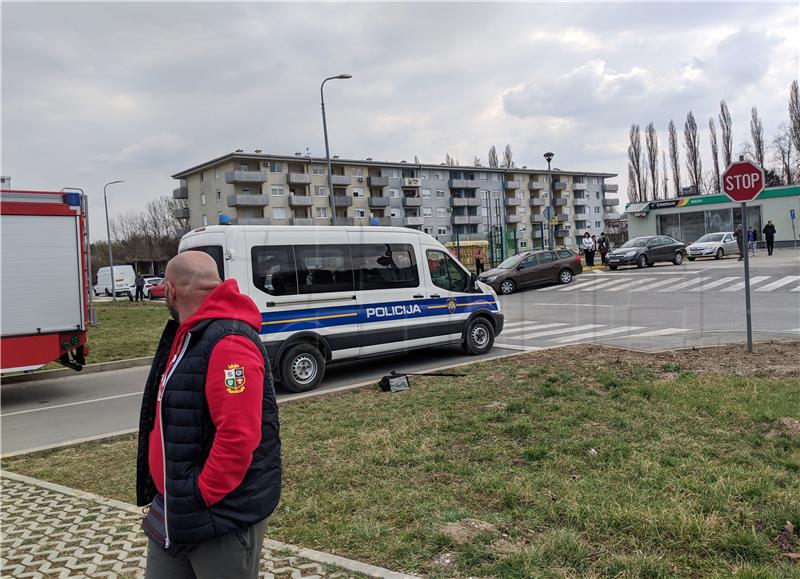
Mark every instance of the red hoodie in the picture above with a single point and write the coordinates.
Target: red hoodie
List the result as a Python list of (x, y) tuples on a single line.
[(234, 389)]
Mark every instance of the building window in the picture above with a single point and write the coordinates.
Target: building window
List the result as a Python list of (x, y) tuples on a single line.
[(483, 176), (597, 210), (394, 193), (440, 193), (317, 169), (495, 178), (426, 193), (595, 180), (597, 225), (427, 212), (216, 174), (358, 192), (275, 167), (202, 176), (277, 190), (320, 190), (423, 175), (321, 212), (597, 195), (219, 196), (279, 212), (202, 198), (205, 220), (358, 172), (394, 213), (360, 212), (523, 244), (440, 212), (484, 193), (521, 211)]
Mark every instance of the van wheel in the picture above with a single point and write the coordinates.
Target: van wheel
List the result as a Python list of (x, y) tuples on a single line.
[(507, 287), (565, 276), (479, 338), (108, 293), (302, 368)]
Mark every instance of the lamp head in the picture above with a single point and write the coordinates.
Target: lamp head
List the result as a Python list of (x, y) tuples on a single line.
[(345, 76), (548, 156)]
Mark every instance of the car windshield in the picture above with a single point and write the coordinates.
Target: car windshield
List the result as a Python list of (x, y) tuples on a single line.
[(511, 262), (711, 237), (636, 242), (153, 280)]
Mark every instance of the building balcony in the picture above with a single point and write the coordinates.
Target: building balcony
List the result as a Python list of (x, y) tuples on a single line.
[(536, 185), (611, 216), (342, 201), (412, 202), (537, 202), (610, 187), (378, 201), (467, 220), (345, 221), (561, 201), (181, 213), (180, 193), (382, 221), (561, 232), (579, 186), (536, 234), (301, 221), (246, 177), (412, 182), (248, 200), (512, 202), (560, 186), (298, 179), (562, 217), (513, 218), (251, 221), (301, 200), (414, 220), (513, 184), (610, 202), (378, 181), (580, 201), (538, 219), (464, 184), (341, 179), (321, 221), (466, 202)]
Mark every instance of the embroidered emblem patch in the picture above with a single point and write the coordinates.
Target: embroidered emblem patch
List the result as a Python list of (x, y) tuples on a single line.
[(451, 306), (234, 379)]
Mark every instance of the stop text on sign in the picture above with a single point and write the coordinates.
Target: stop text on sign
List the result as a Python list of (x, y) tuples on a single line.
[(745, 181)]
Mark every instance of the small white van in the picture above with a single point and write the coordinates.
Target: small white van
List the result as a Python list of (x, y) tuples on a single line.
[(124, 280), (329, 294)]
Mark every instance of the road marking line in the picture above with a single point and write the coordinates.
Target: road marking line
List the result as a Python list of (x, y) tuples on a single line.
[(511, 324), (534, 327), (581, 285), (561, 331), (661, 332), (713, 284), (740, 286), (779, 283), (608, 332), (569, 286), (70, 404), (565, 304), (655, 285), (682, 285), (630, 285), (608, 284)]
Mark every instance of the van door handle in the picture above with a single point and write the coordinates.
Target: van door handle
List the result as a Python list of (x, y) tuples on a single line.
[(435, 296), (418, 296)]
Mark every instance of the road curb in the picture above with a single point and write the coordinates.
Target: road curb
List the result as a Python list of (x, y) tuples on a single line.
[(310, 554), (66, 372)]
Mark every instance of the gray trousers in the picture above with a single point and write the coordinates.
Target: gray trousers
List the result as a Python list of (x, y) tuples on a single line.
[(233, 556)]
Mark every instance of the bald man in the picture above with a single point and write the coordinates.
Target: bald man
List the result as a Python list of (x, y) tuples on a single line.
[(209, 460)]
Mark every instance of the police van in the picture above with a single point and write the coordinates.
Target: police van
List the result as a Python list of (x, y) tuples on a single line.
[(329, 294)]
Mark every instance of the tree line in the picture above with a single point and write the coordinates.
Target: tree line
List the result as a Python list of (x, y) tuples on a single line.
[(780, 159)]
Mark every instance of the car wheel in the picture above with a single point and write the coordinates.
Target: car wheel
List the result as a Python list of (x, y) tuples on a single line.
[(612, 267), (302, 368), (479, 338), (720, 254), (507, 286), (678, 259), (689, 258), (565, 276), (130, 296), (150, 296), (108, 293), (641, 263)]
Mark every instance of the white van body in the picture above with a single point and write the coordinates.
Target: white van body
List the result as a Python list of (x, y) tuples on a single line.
[(349, 292), (124, 279)]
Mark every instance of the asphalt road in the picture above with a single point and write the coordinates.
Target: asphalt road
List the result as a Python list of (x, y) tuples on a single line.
[(663, 307)]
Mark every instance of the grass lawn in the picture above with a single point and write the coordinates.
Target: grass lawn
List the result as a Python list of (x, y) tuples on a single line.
[(126, 330), (582, 461)]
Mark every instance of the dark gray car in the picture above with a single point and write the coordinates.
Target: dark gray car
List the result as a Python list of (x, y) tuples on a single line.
[(645, 251), (533, 268)]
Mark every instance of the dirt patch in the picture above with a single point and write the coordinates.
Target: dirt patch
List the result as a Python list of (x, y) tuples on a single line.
[(443, 562), (503, 547), (786, 425), (466, 530)]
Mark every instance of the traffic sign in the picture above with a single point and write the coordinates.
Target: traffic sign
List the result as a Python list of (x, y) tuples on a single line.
[(792, 214), (554, 221), (743, 181), (548, 212)]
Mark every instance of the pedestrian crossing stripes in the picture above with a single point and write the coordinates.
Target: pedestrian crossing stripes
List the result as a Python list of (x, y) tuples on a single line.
[(700, 284), (531, 335)]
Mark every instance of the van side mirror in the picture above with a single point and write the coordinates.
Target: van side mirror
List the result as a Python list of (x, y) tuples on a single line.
[(473, 281)]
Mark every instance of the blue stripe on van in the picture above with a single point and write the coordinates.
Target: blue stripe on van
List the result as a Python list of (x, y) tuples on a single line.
[(315, 318)]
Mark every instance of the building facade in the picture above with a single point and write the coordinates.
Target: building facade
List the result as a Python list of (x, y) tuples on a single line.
[(449, 203), (689, 218)]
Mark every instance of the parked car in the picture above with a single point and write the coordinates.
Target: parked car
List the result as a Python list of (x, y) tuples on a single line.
[(533, 268), (149, 284), (646, 251), (716, 245), (157, 291), (124, 278)]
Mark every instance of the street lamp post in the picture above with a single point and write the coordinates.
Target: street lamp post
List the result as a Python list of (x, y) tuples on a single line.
[(551, 232), (327, 150), (108, 233)]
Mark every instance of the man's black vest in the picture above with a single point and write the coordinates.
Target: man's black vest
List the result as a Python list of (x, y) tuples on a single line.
[(189, 434)]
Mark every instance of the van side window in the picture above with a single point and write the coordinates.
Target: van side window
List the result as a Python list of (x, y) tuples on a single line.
[(445, 273), (273, 269), (323, 268), (384, 266), (214, 251)]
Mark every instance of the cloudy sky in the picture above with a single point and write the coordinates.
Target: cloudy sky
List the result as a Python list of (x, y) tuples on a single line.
[(95, 92)]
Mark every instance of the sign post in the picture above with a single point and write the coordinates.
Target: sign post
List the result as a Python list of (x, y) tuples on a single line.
[(793, 216), (743, 181)]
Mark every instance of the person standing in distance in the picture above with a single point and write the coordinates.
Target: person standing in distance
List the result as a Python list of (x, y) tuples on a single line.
[(769, 236), (587, 245), (139, 283), (740, 241), (209, 458)]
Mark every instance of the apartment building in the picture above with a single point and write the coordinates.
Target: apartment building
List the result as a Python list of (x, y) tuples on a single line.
[(450, 203)]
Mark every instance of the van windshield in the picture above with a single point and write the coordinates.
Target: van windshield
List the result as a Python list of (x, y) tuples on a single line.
[(214, 251)]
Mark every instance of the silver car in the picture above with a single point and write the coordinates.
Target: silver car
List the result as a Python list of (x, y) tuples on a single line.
[(716, 245)]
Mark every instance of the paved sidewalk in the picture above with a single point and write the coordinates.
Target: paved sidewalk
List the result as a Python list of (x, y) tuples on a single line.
[(51, 531)]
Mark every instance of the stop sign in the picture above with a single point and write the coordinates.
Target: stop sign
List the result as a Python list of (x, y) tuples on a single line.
[(743, 181)]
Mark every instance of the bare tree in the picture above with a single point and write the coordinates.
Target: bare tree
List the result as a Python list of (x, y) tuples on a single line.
[(633, 185), (416, 160), (476, 162), (674, 158), (726, 128), (757, 133), (493, 161), (508, 158), (664, 192), (782, 150), (794, 116), (691, 143), (712, 132), (449, 161), (651, 140), (635, 160)]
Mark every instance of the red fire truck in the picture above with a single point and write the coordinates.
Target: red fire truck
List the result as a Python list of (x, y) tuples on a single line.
[(45, 280)]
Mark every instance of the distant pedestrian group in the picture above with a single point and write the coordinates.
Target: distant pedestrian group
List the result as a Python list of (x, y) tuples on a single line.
[(751, 237)]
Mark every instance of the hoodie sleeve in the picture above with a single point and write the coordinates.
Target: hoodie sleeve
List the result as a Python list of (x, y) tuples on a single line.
[(234, 389)]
